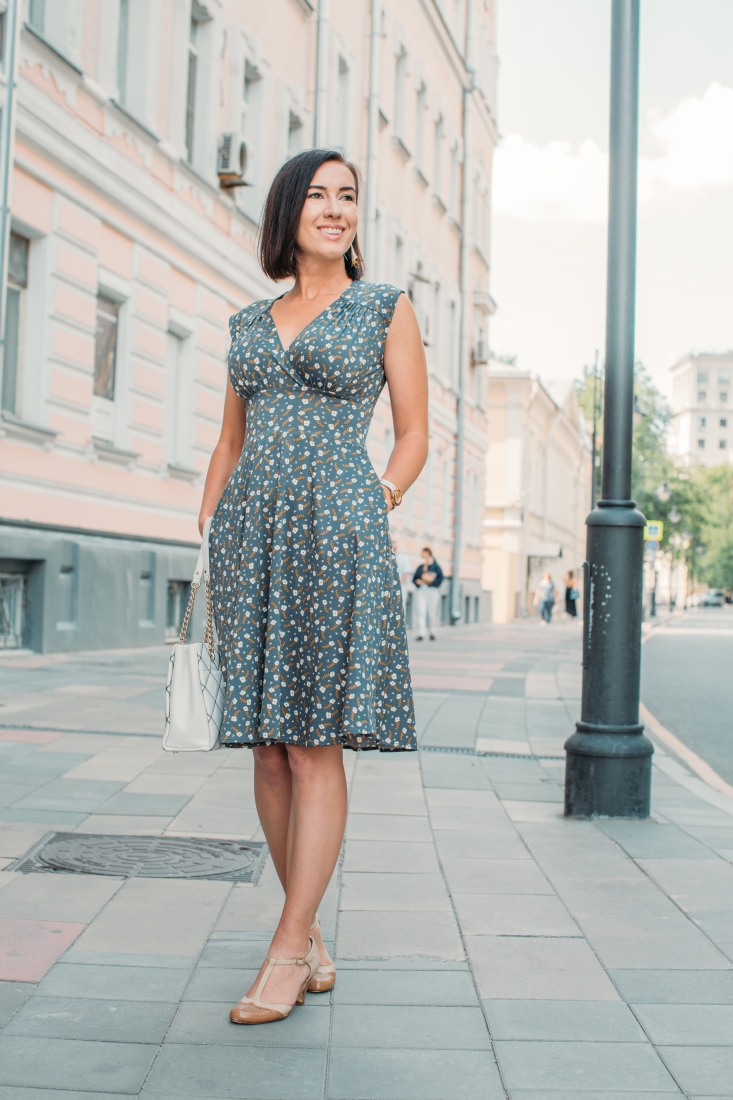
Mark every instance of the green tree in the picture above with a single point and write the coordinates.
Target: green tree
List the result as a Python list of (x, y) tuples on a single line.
[(717, 535)]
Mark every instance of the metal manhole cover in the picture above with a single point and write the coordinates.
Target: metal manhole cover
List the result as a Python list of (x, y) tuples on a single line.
[(146, 857)]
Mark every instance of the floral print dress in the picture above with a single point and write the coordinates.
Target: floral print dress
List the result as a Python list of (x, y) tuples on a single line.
[(305, 586)]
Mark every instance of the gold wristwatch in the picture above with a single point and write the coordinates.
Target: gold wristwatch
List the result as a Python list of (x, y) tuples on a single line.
[(394, 492)]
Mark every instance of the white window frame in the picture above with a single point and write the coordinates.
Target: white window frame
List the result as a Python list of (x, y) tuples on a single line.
[(108, 415), (343, 84), (178, 411), (200, 151), (14, 404), (421, 109), (400, 93)]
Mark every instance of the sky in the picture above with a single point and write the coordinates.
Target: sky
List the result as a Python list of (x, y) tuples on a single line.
[(550, 188)]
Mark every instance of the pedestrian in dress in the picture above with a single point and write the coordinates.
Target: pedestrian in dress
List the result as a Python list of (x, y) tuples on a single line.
[(427, 580), (544, 598), (304, 582), (404, 568), (571, 595)]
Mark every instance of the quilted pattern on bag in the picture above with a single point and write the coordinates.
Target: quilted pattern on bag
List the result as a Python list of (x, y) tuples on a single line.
[(212, 686)]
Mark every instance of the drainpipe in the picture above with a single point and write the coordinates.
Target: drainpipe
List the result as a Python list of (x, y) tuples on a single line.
[(7, 141), (319, 120), (455, 609), (375, 35)]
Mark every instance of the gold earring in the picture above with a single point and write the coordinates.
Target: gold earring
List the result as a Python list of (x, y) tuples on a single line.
[(354, 259)]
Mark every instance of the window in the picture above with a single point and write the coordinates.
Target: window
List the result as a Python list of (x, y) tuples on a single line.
[(342, 107), (193, 58), (723, 378), (177, 436), (701, 422), (723, 395), (435, 334), (178, 592), (723, 445), (2, 36), (14, 303), (37, 15), (399, 94), (295, 133), (702, 376), (147, 590), (702, 395), (454, 181), (12, 610), (252, 113), (399, 262), (123, 40), (105, 347), (438, 156), (701, 444), (723, 423), (422, 103), (453, 345)]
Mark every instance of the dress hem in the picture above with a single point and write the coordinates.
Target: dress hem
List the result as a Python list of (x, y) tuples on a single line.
[(344, 745)]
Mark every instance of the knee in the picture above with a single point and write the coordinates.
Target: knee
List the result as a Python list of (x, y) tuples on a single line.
[(307, 762), (273, 764)]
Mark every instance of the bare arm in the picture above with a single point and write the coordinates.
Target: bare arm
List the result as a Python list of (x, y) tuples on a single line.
[(407, 378), (226, 453)]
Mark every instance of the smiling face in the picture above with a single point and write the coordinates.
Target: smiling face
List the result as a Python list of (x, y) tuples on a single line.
[(329, 217)]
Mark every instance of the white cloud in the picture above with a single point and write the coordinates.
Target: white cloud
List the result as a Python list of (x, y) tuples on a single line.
[(558, 183)]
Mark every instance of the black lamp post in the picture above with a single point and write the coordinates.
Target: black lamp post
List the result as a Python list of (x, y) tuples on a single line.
[(608, 761)]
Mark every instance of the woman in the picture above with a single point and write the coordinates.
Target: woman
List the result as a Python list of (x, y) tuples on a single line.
[(571, 595), (306, 594), (427, 580), (544, 598)]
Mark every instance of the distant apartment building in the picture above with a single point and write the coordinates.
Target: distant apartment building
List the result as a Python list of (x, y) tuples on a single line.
[(130, 250), (538, 487), (702, 409)]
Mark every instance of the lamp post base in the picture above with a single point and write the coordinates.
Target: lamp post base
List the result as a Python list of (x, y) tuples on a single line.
[(608, 774)]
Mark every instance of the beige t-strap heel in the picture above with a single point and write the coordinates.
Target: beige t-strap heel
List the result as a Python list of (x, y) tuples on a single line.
[(324, 978), (253, 1010)]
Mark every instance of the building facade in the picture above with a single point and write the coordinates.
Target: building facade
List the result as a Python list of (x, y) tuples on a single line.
[(702, 409), (538, 487), (127, 257)]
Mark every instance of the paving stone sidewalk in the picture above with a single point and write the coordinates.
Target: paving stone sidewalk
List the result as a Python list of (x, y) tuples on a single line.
[(486, 947)]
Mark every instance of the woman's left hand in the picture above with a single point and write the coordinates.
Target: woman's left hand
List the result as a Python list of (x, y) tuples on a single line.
[(388, 498)]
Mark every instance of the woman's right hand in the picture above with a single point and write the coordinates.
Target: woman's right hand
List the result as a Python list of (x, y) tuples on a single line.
[(202, 520)]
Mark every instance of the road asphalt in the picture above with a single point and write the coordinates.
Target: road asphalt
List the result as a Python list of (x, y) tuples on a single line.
[(687, 682), (486, 947)]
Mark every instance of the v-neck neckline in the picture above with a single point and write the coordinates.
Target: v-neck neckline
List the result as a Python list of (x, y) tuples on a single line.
[(286, 350)]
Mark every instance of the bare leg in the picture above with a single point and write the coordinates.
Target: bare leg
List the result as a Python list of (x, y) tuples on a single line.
[(316, 827), (273, 793)]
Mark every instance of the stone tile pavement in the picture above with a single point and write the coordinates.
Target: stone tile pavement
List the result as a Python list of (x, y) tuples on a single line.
[(486, 947)]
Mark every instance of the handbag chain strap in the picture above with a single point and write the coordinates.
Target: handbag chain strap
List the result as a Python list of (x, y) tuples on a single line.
[(187, 616), (202, 569), (209, 630)]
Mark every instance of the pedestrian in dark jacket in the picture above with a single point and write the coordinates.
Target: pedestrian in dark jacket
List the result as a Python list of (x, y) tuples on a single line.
[(427, 580)]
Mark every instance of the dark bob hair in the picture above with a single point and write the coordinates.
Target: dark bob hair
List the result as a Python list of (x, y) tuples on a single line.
[(277, 249)]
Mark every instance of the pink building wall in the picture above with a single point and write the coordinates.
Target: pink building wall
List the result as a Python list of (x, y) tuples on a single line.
[(112, 203)]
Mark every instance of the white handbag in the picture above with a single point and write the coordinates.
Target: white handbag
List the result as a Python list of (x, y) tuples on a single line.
[(194, 693)]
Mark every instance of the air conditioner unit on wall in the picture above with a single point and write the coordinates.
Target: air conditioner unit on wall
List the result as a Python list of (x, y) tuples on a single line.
[(231, 162)]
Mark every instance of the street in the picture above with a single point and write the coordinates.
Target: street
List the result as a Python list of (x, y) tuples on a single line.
[(687, 684), (486, 947)]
